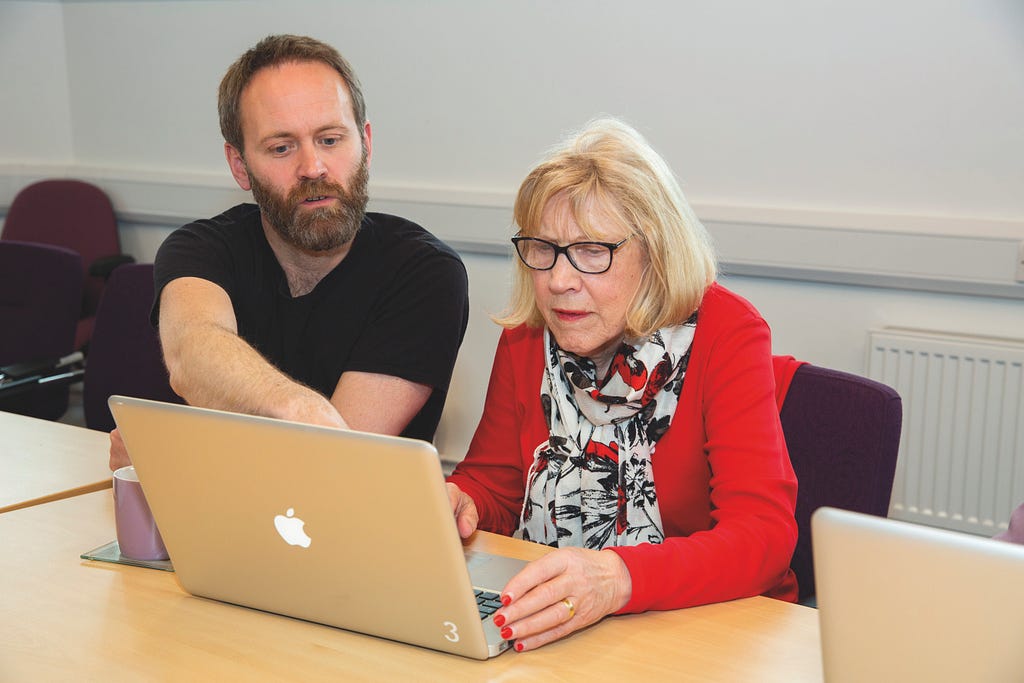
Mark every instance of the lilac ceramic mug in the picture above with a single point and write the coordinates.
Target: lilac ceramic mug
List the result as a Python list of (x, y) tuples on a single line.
[(137, 534)]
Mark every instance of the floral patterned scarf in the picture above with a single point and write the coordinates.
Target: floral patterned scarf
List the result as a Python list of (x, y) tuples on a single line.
[(591, 483)]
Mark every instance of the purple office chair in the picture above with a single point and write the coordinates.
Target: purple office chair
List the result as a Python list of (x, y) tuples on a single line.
[(124, 355), (40, 299), (843, 435), (77, 216)]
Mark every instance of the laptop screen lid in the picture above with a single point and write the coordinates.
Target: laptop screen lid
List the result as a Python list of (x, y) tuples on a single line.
[(905, 602), (344, 528)]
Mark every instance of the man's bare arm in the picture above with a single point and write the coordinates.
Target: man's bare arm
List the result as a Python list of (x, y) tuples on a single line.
[(383, 404), (211, 366)]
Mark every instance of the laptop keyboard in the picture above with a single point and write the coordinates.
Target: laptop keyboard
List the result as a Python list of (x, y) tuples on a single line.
[(487, 602)]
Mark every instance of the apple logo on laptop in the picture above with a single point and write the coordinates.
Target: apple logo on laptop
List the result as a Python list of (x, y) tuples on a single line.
[(290, 528)]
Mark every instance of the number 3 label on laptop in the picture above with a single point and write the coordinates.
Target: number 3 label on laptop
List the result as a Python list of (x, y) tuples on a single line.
[(453, 632)]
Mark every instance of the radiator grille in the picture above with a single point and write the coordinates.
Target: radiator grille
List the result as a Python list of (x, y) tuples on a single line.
[(961, 460)]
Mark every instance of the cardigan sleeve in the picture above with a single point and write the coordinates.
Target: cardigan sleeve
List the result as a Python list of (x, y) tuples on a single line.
[(748, 547), (784, 368), (491, 474)]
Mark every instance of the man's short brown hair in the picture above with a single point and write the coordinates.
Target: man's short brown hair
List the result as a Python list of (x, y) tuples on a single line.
[(273, 51)]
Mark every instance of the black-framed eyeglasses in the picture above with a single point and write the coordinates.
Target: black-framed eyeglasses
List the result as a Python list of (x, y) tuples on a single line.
[(592, 258)]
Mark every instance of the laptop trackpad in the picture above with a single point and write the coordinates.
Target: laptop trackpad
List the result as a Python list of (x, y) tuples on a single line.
[(491, 571)]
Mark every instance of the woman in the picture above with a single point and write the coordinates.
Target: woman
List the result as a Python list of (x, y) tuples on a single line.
[(630, 419)]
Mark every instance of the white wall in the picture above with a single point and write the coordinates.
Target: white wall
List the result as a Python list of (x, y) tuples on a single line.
[(879, 106), (859, 163), (913, 107), (35, 112)]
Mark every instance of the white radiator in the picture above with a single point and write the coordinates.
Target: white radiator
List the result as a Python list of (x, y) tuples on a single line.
[(961, 461)]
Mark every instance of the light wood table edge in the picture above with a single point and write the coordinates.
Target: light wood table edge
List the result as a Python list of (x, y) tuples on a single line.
[(60, 495)]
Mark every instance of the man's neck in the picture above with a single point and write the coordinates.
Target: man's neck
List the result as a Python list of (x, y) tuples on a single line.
[(304, 269)]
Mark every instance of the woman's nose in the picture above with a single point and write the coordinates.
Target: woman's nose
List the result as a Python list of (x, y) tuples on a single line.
[(563, 275)]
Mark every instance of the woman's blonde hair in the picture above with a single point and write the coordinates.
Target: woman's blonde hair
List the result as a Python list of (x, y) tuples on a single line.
[(609, 165)]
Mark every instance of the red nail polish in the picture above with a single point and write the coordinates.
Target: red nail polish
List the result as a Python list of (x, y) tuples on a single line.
[(506, 633), (505, 600), (519, 647), (499, 620)]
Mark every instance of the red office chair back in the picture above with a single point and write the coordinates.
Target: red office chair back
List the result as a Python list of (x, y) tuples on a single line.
[(843, 433), (74, 215), (124, 355), (40, 298)]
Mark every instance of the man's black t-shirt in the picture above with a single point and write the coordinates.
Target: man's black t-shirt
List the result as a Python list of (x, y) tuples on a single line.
[(396, 305)]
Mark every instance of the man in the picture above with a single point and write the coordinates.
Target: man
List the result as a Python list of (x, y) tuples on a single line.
[(305, 307)]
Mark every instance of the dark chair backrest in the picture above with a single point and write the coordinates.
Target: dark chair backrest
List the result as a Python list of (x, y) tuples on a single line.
[(843, 435), (124, 356), (40, 297), (72, 214)]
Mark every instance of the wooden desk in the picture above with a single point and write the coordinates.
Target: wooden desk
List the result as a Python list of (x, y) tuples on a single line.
[(69, 619), (42, 461)]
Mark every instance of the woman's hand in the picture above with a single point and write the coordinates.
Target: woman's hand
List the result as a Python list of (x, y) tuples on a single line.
[(464, 509), (118, 453), (564, 591)]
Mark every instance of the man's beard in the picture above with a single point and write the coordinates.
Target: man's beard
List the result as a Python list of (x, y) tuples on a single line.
[(319, 229)]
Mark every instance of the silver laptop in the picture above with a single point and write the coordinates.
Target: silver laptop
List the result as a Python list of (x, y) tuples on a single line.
[(905, 602), (342, 528)]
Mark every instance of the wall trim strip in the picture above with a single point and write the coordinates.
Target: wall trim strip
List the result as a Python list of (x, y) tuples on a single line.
[(950, 255)]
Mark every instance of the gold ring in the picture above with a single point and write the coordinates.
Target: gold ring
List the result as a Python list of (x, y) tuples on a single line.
[(572, 608)]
